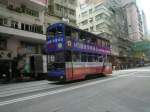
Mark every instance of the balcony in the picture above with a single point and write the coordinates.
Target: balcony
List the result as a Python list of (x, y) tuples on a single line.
[(66, 4), (22, 35)]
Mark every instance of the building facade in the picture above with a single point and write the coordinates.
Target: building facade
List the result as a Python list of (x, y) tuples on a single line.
[(95, 18), (145, 28), (23, 23), (134, 21), (65, 10), (133, 18), (21, 27)]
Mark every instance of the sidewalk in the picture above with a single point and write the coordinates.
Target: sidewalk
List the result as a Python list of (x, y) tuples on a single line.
[(120, 72)]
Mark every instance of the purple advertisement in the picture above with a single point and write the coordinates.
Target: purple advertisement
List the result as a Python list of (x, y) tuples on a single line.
[(87, 47), (58, 44)]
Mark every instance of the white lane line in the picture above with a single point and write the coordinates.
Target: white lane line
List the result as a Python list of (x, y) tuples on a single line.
[(57, 91), (26, 90), (144, 76), (24, 85)]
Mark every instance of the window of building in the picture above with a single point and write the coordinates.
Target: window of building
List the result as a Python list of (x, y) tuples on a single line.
[(3, 21), (72, 2), (4, 2), (84, 13), (14, 24), (22, 26), (72, 12), (72, 21), (86, 29), (30, 47), (84, 22), (30, 27), (98, 7), (58, 7), (101, 26), (98, 17), (98, 26), (26, 27), (90, 11), (91, 28), (31, 12), (91, 20), (3, 44)]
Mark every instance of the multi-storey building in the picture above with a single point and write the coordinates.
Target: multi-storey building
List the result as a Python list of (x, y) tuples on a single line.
[(144, 25), (94, 1), (134, 21), (21, 27), (95, 18), (65, 10), (134, 18)]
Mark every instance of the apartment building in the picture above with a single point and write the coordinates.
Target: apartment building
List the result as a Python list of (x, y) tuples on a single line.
[(21, 27), (145, 28), (64, 10), (134, 21), (95, 18), (134, 18)]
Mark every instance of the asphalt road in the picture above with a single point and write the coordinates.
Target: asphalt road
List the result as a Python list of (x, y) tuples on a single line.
[(124, 91)]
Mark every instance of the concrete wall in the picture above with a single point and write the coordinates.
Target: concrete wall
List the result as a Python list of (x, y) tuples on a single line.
[(13, 45)]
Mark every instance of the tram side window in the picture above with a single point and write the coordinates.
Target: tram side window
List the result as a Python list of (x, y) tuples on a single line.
[(103, 43), (76, 57), (83, 57), (59, 57), (95, 59), (108, 44), (68, 56), (52, 33), (74, 34), (68, 32), (51, 58), (100, 58), (90, 58), (82, 36), (93, 40), (99, 42), (59, 31)]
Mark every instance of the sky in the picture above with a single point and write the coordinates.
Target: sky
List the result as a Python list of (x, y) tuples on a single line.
[(145, 4)]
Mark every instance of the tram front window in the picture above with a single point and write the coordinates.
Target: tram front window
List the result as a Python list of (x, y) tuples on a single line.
[(56, 66)]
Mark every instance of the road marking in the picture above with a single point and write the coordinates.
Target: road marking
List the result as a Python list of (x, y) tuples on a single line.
[(142, 76), (58, 91)]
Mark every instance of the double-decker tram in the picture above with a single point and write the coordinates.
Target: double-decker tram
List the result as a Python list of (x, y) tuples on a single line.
[(74, 54)]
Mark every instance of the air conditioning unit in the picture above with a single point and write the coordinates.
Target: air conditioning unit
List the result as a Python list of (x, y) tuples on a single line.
[(11, 7), (5, 55)]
